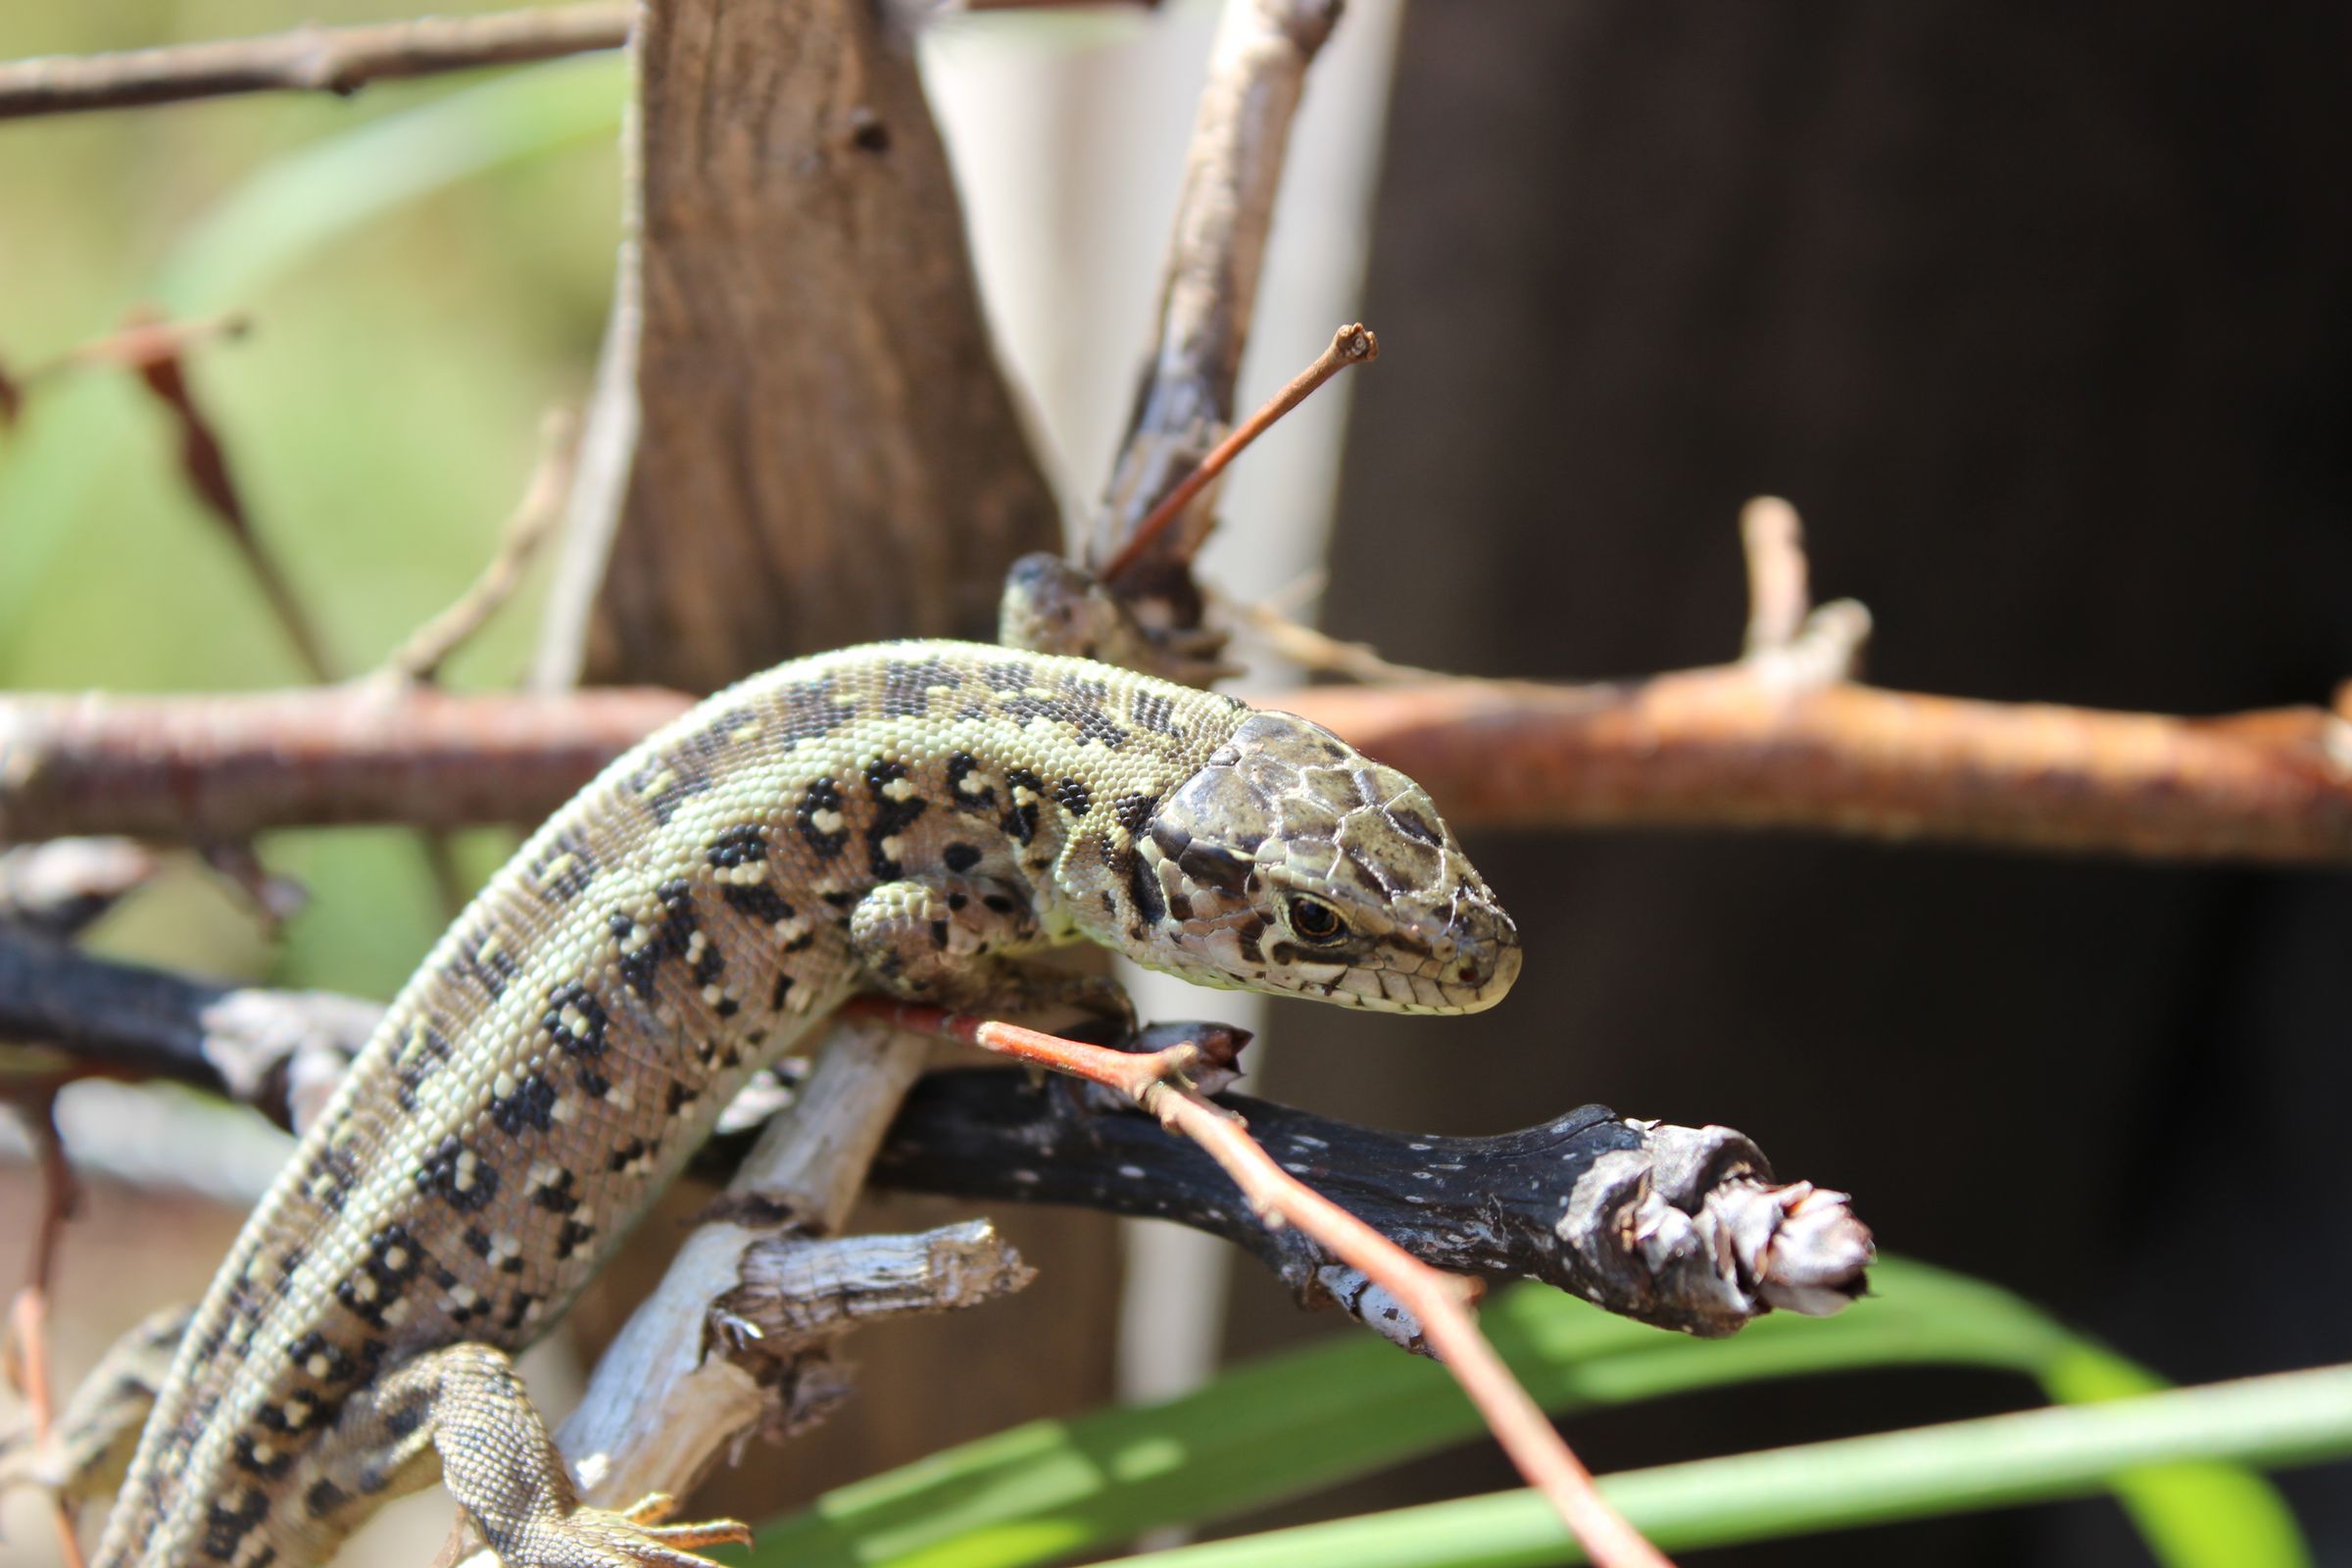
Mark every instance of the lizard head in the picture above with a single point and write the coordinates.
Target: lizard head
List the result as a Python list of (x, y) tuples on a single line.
[(1291, 863)]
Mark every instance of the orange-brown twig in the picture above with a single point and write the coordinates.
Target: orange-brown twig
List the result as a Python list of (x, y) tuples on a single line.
[(1718, 747), (29, 1321), (1352, 344), (1157, 1082)]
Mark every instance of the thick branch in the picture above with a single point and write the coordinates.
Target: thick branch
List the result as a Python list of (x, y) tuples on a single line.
[(307, 59), (1677, 1226), (1730, 746), (1725, 748), (209, 768)]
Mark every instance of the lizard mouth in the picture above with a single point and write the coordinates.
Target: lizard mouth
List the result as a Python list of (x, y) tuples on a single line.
[(1459, 975)]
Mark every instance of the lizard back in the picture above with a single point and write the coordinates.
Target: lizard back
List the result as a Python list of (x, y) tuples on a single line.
[(572, 1039)]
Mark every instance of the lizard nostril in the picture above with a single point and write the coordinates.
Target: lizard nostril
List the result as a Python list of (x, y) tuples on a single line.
[(1467, 974)]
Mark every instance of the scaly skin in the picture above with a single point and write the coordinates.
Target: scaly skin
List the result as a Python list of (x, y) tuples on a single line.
[(899, 817)]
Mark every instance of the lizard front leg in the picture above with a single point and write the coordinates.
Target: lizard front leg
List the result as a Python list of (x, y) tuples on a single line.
[(946, 940), (90, 1450), (462, 1409)]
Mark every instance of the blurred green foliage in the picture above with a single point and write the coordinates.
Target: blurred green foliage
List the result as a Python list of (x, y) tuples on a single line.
[(426, 265)]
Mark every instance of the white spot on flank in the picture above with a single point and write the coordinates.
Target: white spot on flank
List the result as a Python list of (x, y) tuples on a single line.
[(825, 820), (899, 788)]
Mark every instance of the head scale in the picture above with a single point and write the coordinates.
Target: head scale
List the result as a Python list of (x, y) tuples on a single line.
[(1293, 862)]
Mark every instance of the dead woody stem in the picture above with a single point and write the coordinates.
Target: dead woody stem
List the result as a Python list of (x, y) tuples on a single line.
[(1158, 1083)]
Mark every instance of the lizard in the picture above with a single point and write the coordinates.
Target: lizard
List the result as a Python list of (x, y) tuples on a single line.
[(911, 818)]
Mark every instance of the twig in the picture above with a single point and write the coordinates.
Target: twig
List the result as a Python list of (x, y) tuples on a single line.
[(526, 528), (280, 1050), (1778, 594), (1156, 1083), (1256, 75), (30, 1318), (161, 365), (307, 59), (59, 888), (1352, 344)]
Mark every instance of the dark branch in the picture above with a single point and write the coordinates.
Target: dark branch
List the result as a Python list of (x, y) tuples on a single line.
[(1677, 1226)]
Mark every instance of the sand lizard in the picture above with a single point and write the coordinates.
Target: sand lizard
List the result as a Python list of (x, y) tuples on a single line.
[(902, 818)]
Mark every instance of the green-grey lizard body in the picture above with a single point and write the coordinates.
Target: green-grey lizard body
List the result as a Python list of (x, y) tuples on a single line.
[(900, 817)]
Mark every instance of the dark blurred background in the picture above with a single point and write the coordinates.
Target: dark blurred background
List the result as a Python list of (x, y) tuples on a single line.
[(2040, 317)]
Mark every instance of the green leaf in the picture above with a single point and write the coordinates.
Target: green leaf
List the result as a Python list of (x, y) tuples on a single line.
[(1293, 1423), (2295, 1418)]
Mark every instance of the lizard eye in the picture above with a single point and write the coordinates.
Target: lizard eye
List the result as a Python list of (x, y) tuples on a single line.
[(1313, 920)]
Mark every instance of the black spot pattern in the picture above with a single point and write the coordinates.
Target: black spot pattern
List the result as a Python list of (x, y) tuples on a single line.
[(555, 1194), (959, 858), (1072, 796), (1020, 815), (490, 969), (440, 1175), (822, 796), (891, 817), (906, 686), (1155, 713), (333, 1172), (334, 1364), (1083, 713), (739, 847), (252, 1463), (575, 1020), (532, 1105), (1143, 884), (1134, 811), (809, 712), (384, 1275), (421, 1054), (960, 766), (667, 781), (566, 868), (226, 1525), (1008, 677)]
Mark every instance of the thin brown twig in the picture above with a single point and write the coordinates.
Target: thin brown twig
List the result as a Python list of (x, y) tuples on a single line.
[(1157, 1082), (30, 1320), (307, 59), (526, 529), (161, 364), (1352, 344)]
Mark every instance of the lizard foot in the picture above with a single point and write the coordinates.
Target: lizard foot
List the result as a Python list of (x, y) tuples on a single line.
[(629, 1538)]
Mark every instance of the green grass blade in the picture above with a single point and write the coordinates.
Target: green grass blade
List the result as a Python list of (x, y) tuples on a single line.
[(1290, 1424), (2037, 1455)]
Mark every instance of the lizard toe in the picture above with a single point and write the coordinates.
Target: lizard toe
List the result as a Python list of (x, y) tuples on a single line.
[(631, 1537)]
